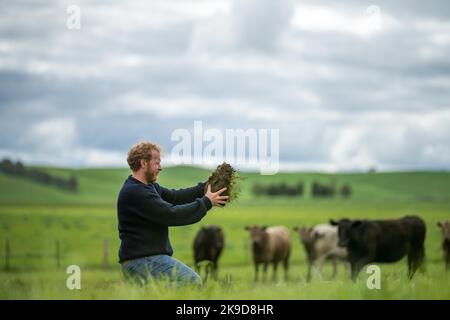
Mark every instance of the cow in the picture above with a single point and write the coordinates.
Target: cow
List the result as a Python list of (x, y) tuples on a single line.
[(382, 241), (445, 228), (208, 245), (270, 245), (321, 244)]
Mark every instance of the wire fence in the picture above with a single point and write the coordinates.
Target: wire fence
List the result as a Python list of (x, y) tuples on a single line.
[(11, 257)]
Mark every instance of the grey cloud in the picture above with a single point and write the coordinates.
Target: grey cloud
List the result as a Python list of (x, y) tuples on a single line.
[(352, 79), (258, 24)]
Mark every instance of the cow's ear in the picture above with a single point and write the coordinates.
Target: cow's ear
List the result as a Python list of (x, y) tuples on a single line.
[(439, 224), (333, 222)]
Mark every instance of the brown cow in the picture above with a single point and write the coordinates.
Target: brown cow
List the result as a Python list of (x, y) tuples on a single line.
[(445, 228), (270, 245)]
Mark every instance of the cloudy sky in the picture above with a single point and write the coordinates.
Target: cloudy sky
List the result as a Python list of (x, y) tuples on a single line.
[(350, 85)]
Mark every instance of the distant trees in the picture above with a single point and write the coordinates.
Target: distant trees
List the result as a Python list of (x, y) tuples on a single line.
[(318, 189), (324, 190), (346, 191), (8, 167), (280, 189), (18, 169)]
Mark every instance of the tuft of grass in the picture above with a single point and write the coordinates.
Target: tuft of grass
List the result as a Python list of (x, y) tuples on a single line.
[(233, 283), (225, 176)]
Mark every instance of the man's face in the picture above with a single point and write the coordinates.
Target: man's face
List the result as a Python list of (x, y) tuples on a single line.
[(153, 167)]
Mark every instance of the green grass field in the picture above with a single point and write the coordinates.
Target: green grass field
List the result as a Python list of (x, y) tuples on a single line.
[(34, 217)]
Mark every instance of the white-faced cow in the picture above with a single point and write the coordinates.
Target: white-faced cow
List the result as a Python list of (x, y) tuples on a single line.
[(321, 244), (270, 245), (382, 241), (445, 228), (208, 245)]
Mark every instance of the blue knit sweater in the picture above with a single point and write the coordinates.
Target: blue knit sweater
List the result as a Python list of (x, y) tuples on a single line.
[(145, 213)]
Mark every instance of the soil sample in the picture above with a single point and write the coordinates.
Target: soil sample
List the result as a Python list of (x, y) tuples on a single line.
[(225, 176)]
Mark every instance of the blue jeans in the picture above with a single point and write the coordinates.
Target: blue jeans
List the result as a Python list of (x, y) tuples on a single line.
[(160, 267)]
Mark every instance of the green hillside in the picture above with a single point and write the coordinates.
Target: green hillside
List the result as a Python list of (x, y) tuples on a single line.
[(99, 187)]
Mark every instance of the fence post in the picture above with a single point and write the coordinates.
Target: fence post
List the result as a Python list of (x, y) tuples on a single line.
[(58, 254), (105, 253), (7, 254)]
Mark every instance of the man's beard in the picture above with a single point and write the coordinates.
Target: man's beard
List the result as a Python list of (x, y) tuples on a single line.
[(150, 176)]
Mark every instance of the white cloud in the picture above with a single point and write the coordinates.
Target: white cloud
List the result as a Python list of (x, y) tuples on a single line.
[(54, 134), (364, 24)]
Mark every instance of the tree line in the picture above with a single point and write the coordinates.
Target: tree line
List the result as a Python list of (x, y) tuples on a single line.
[(20, 170), (317, 189)]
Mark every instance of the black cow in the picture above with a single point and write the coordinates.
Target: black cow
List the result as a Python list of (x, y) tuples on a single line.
[(382, 241), (208, 245)]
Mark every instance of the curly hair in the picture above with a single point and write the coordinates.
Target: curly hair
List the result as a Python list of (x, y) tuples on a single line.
[(141, 150)]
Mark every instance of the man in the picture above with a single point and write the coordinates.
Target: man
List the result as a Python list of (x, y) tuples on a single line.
[(145, 212)]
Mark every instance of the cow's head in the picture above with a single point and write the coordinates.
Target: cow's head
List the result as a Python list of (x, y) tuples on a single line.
[(345, 229), (445, 228), (258, 234), (305, 234)]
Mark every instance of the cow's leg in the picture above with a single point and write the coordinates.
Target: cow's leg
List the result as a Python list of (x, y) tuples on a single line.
[(335, 262), (355, 269), (265, 267), (319, 265), (411, 269), (215, 270), (308, 276), (256, 271), (357, 265), (207, 270), (275, 267), (415, 259), (286, 268)]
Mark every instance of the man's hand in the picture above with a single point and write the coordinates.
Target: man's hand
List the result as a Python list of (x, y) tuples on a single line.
[(215, 197)]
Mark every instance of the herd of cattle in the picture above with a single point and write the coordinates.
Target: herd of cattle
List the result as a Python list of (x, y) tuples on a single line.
[(356, 242)]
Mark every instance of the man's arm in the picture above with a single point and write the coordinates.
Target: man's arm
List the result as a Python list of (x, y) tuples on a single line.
[(182, 196), (151, 206)]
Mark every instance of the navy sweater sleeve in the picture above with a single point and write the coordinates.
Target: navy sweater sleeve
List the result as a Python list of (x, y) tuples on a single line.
[(181, 196), (151, 206)]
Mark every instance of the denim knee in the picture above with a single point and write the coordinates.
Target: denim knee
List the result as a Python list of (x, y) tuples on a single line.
[(188, 276), (196, 280)]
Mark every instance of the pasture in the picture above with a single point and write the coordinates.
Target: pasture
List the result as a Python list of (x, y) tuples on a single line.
[(33, 218)]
